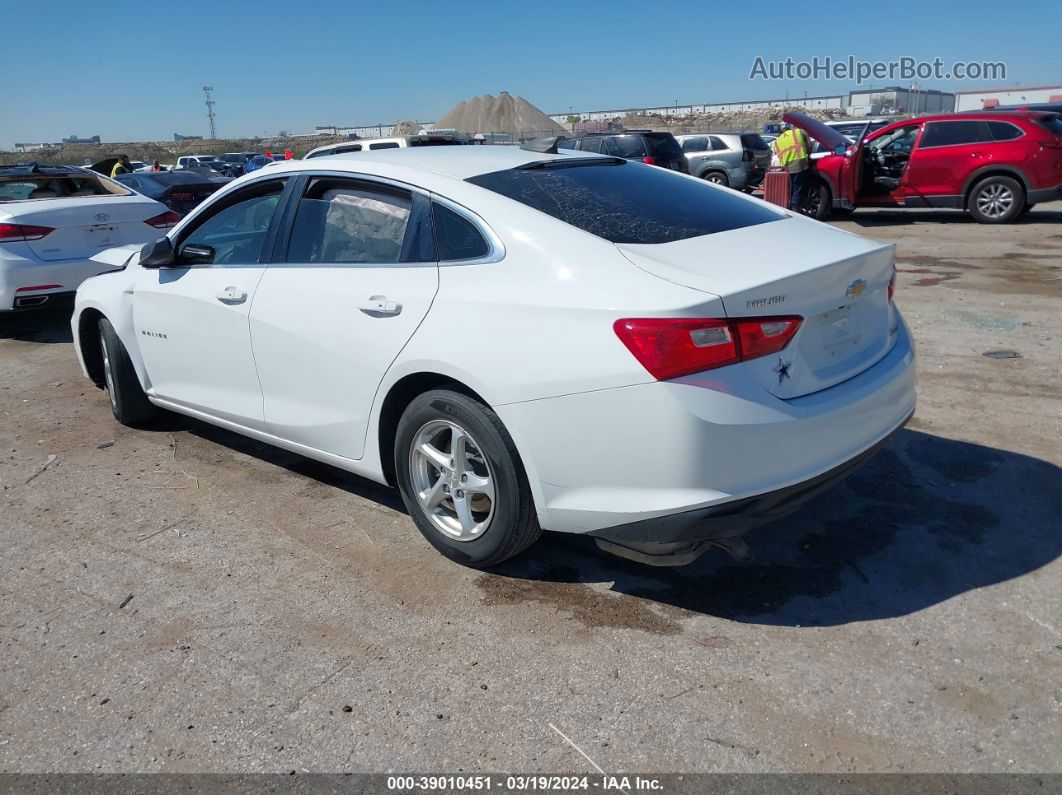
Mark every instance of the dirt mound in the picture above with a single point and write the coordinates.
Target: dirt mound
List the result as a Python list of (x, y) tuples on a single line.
[(407, 127), (501, 114), (734, 120)]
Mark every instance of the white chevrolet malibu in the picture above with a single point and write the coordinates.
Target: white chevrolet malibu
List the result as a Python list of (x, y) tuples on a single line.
[(517, 341)]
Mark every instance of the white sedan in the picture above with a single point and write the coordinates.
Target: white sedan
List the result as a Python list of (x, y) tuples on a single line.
[(54, 219), (517, 341)]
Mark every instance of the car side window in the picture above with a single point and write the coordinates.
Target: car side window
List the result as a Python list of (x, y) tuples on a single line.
[(696, 144), (385, 145), (1003, 131), (456, 237), (348, 221), (235, 231), (590, 145), (717, 143), (955, 133)]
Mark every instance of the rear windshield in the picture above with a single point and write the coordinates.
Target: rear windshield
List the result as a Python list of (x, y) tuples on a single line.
[(664, 145), (626, 202), (753, 141), (1053, 123), (20, 188)]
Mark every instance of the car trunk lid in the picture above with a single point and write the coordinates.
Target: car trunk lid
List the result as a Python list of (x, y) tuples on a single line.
[(82, 226), (838, 283)]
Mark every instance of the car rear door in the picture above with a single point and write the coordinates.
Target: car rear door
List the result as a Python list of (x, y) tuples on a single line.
[(948, 152), (352, 278), (191, 319)]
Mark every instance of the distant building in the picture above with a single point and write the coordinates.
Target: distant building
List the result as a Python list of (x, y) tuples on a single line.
[(988, 98), (73, 139), (179, 137), (896, 100), (34, 147)]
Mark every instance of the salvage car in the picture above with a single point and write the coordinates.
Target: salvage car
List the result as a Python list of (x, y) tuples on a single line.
[(518, 341), (180, 190), (994, 164), (54, 219)]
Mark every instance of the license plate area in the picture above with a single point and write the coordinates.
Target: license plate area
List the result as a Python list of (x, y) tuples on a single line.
[(841, 331), (98, 236)]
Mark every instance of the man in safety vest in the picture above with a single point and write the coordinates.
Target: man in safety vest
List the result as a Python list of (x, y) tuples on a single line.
[(793, 151), (122, 166)]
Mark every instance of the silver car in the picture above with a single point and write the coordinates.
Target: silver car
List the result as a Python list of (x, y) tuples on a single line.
[(737, 160)]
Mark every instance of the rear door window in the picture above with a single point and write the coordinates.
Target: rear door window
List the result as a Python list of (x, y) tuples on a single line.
[(717, 144), (385, 145), (590, 145), (955, 133), (624, 203), (629, 145), (347, 221), (663, 146), (696, 144)]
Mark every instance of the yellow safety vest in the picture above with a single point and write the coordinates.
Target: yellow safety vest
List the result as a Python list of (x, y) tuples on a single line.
[(118, 168), (791, 146)]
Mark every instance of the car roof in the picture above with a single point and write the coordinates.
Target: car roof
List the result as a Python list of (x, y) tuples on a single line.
[(458, 162), (33, 169), (986, 114)]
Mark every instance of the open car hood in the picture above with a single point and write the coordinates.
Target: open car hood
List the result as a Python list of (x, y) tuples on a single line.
[(827, 136)]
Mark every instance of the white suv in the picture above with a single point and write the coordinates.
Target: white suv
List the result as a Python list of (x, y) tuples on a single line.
[(396, 142)]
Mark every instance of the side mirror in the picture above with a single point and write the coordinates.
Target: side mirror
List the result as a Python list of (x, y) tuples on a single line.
[(158, 254), (840, 149), (197, 254)]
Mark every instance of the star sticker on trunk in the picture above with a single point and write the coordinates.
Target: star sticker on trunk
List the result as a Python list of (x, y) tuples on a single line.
[(783, 370)]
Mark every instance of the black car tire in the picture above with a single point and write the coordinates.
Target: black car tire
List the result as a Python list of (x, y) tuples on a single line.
[(819, 204), (717, 178), (513, 523), (129, 403), (1008, 193)]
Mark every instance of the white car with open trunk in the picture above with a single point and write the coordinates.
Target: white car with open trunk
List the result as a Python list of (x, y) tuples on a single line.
[(54, 219), (518, 340)]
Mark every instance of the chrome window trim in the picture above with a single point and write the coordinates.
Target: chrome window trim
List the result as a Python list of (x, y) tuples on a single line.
[(495, 247)]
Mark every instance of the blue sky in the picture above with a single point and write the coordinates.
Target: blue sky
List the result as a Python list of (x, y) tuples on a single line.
[(130, 70)]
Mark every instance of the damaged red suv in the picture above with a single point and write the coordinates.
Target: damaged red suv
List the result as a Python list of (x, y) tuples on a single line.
[(996, 165)]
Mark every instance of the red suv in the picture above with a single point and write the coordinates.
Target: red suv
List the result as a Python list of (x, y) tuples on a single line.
[(995, 164)]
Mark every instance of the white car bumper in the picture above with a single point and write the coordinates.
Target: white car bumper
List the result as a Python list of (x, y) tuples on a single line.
[(682, 460), (20, 269)]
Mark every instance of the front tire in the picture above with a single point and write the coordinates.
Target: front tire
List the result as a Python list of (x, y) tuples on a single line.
[(996, 200), (819, 203), (129, 403), (462, 481)]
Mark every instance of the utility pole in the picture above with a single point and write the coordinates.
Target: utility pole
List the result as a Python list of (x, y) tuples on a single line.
[(208, 92)]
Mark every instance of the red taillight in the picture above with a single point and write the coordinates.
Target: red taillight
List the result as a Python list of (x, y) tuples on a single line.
[(672, 347), (181, 197), (23, 232), (650, 160), (164, 220)]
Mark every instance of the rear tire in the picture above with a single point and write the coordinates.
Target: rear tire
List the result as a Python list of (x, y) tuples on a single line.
[(129, 403), (462, 481), (717, 178), (996, 200)]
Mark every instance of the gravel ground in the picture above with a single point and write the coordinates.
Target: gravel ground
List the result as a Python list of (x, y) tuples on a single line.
[(183, 599)]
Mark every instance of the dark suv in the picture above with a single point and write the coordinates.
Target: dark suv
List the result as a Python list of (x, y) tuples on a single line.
[(655, 148)]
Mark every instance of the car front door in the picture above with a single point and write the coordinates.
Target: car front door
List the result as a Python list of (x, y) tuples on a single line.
[(191, 319), (353, 276)]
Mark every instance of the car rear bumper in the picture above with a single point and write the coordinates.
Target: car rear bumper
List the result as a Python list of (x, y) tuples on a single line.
[(659, 462), (25, 279)]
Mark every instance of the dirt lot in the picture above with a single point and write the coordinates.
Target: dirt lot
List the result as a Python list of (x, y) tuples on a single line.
[(183, 599)]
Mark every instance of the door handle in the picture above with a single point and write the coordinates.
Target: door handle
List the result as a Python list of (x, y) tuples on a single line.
[(380, 305), (232, 295)]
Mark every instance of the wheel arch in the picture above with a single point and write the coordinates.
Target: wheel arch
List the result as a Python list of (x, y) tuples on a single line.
[(88, 344), (985, 172), (400, 394)]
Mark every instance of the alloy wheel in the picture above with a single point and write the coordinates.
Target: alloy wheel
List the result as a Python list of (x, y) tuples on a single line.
[(995, 200), (452, 480)]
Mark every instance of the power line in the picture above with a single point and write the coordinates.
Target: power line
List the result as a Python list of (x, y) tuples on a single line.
[(208, 92)]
